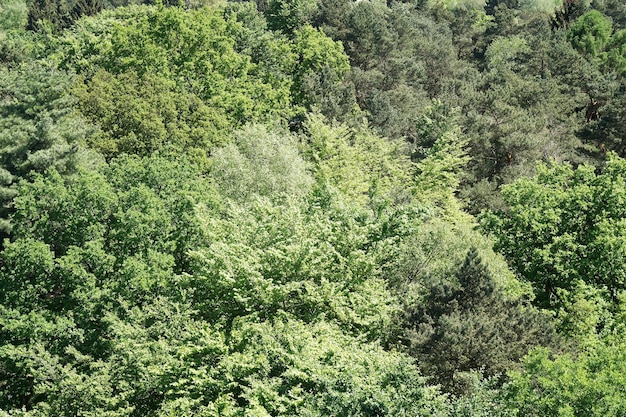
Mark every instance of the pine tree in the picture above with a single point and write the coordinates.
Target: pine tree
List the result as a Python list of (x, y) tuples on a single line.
[(477, 286), (469, 324)]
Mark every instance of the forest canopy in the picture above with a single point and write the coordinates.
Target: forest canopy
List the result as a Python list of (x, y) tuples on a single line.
[(312, 208)]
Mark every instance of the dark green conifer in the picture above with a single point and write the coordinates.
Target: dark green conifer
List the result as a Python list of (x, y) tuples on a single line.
[(469, 324)]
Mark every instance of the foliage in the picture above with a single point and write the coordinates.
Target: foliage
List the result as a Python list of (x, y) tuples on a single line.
[(564, 226), (260, 163), (134, 207), (140, 66), (614, 9), (289, 15), (13, 15), (590, 33), (362, 166), (130, 263), (438, 175), (483, 398), (59, 14), (433, 251), (143, 115), (472, 308), (616, 54), (88, 248), (316, 54), (400, 59), (39, 128), (244, 209), (548, 6), (287, 368), (264, 259), (591, 384), (520, 112)]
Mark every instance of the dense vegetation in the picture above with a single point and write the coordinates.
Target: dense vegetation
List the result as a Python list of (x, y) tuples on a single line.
[(312, 208)]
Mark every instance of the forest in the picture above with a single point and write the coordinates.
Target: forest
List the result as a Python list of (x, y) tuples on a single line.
[(348, 208)]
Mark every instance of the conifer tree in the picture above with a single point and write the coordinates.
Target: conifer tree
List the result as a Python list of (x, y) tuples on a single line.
[(469, 324), (477, 286)]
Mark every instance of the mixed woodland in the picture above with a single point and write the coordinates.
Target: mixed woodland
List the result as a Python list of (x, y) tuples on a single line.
[(312, 208)]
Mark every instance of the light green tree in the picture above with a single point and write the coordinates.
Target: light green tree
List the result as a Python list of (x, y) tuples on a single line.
[(563, 226), (591, 384), (261, 162), (13, 15), (591, 32), (361, 165)]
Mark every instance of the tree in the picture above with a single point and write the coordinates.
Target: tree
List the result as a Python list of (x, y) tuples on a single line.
[(142, 115), (401, 60), (286, 368), (590, 33), (317, 54), (39, 129), (526, 101), (614, 9), (616, 52), (13, 15), (131, 290), (261, 163), (362, 166), (58, 13), (92, 252), (563, 226), (569, 11), (290, 16), (264, 258), (468, 324), (140, 65), (592, 384), (440, 169)]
